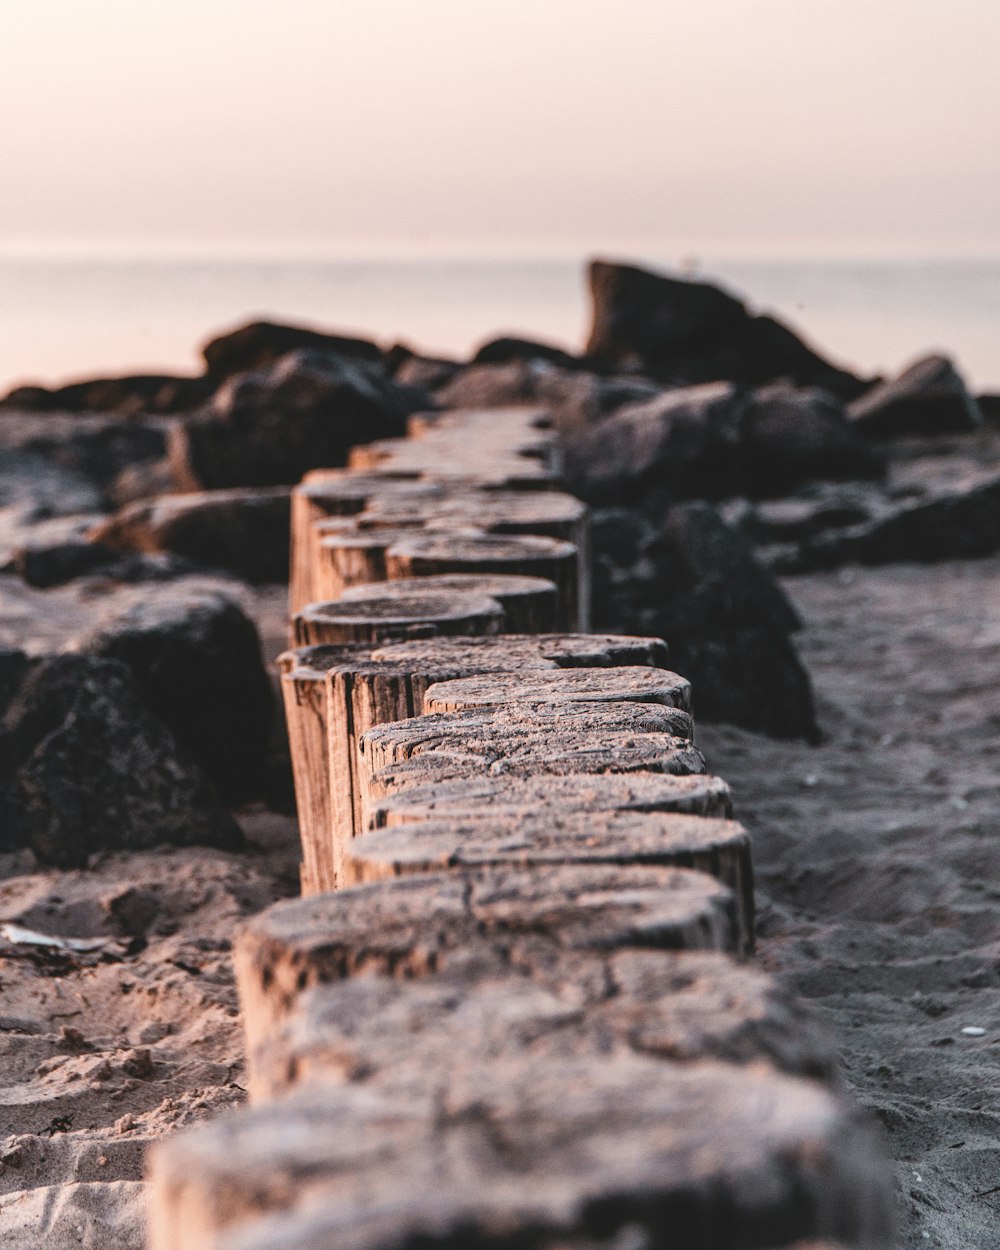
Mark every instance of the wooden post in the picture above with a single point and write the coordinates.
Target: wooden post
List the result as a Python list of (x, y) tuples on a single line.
[(579, 685), (430, 554), (501, 796), (412, 925), (576, 1151), (529, 840), (530, 604), (680, 1007), (379, 619)]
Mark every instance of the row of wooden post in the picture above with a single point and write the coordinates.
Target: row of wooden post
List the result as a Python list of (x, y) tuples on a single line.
[(513, 1007)]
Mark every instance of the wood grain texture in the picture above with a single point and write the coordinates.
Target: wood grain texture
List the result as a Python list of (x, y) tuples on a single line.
[(527, 1152)]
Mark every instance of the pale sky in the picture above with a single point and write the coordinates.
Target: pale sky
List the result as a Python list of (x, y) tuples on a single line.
[(803, 125)]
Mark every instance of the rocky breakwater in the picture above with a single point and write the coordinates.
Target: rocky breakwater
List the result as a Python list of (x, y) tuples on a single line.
[(516, 1004)]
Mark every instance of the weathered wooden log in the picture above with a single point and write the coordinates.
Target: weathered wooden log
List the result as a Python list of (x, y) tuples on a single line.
[(530, 604), (380, 619), (430, 554), (411, 925), (720, 848), (557, 753), (507, 426), (368, 686), (532, 1154), (547, 514), (337, 493), (357, 556), (479, 655), (595, 686), (501, 729), (492, 797), (444, 462), (679, 1006)]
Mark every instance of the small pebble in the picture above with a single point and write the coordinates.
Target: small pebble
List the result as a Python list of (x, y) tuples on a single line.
[(973, 1030)]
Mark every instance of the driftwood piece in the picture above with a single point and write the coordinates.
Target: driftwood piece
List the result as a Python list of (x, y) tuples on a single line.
[(533, 1154), (530, 604), (720, 848), (680, 1006), (367, 686), (429, 554), (410, 926), (492, 797), (379, 619)]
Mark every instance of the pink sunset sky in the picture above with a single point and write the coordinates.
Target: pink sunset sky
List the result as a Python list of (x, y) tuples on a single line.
[(810, 125)]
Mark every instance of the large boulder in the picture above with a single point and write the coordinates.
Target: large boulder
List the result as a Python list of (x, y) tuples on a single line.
[(260, 343), (928, 397), (680, 444), (242, 532), (714, 441), (695, 581), (196, 661), (270, 426), (85, 767), (686, 332), (792, 435)]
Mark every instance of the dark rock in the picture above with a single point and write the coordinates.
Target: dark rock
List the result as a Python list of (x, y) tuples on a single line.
[(45, 565), (243, 532), (574, 398), (127, 396), (715, 441), (957, 525), (89, 768), (792, 435), (196, 661), (687, 332), (928, 397), (260, 343), (796, 519), (696, 581), (683, 443), (989, 407), (422, 373), (493, 385), (504, 350), (141, 481), (14, 666), (68, 463), (269, 427)]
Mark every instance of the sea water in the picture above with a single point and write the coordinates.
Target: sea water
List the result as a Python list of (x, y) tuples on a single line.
[(64, 317)]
